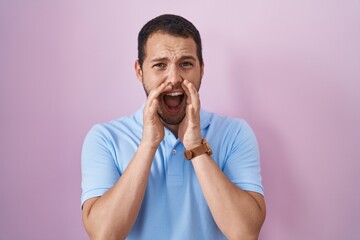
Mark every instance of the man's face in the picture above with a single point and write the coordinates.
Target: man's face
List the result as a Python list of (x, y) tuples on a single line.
[(170, 59)]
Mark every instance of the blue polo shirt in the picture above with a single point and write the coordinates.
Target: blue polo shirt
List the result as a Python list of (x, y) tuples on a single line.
[(174, 206)]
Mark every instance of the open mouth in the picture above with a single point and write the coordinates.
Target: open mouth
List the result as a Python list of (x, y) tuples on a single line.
[(173, 101)]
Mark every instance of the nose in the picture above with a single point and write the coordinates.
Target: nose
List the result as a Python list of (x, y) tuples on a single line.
[(174, 77)]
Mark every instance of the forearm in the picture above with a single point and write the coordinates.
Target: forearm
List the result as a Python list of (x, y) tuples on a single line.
[(236, 212), (113, 214)]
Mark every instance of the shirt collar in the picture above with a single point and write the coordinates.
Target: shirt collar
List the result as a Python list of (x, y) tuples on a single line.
[(205, 117)]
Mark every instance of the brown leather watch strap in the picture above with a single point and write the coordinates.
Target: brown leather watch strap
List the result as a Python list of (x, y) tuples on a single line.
[(203, 148)]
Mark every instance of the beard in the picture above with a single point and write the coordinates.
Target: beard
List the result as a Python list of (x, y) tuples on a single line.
[(171, 119)]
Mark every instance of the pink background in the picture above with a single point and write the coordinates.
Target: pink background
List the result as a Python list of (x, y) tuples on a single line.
[(291, 68)]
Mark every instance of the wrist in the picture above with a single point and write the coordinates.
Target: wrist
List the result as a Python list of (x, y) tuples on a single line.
[(203, 148), (149, 146), (193, 142)]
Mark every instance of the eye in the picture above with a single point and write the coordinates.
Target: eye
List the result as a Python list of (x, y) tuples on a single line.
[(159, 65), (186, 65)]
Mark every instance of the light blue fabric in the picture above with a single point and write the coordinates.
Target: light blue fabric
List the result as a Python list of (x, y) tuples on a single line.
[(174, 206)]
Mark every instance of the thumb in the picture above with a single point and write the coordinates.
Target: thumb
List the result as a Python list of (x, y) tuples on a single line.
[(153, 108)]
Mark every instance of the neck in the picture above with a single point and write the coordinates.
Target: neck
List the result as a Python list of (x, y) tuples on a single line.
[(173, 128)]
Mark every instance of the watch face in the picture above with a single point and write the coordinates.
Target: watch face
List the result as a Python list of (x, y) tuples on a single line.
[(188, 154), (203, 148)]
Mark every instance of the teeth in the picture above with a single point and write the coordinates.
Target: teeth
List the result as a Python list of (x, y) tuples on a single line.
[(174, 94)]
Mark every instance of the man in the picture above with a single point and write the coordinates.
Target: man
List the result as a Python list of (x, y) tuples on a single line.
[(171, 170)]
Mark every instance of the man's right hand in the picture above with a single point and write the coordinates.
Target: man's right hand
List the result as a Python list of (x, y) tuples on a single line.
[(153, 132), (112, 215)]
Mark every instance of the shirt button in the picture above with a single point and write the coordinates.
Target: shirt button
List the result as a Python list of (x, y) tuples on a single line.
[(173, 151)]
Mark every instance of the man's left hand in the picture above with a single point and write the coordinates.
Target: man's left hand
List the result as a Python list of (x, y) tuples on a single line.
[(189, 129)]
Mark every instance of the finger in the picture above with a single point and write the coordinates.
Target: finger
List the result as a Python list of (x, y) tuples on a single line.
[(187, 92), (155, 93), (153, 107), (193, 101), (192, 94)]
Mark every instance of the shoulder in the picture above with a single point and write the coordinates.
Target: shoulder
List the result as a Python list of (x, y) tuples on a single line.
[(108, 131), (228, 132), (226, 124), (119, 124)]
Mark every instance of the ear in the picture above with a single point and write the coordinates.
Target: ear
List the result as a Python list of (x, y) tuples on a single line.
[(202, 70), (138, 71)]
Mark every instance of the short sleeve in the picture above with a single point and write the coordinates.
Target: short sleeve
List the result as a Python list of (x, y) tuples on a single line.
[(98, 168), (242, 165)]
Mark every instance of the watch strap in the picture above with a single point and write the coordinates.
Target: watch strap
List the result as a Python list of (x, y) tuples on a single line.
[(204, 147)]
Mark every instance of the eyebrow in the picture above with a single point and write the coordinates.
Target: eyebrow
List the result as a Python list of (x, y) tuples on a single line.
[(181, 58), (188, 57), (159, 59)]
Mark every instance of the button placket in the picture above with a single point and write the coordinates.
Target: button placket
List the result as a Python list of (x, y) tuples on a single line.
[(175, 170)]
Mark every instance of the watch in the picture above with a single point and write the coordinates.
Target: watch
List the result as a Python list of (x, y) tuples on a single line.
[(203, 148)]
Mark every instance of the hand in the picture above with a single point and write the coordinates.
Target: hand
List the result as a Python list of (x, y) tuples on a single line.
[(189, 129), (153, 129)]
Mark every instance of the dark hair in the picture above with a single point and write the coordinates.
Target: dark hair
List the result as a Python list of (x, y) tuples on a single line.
[(170, 24)]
